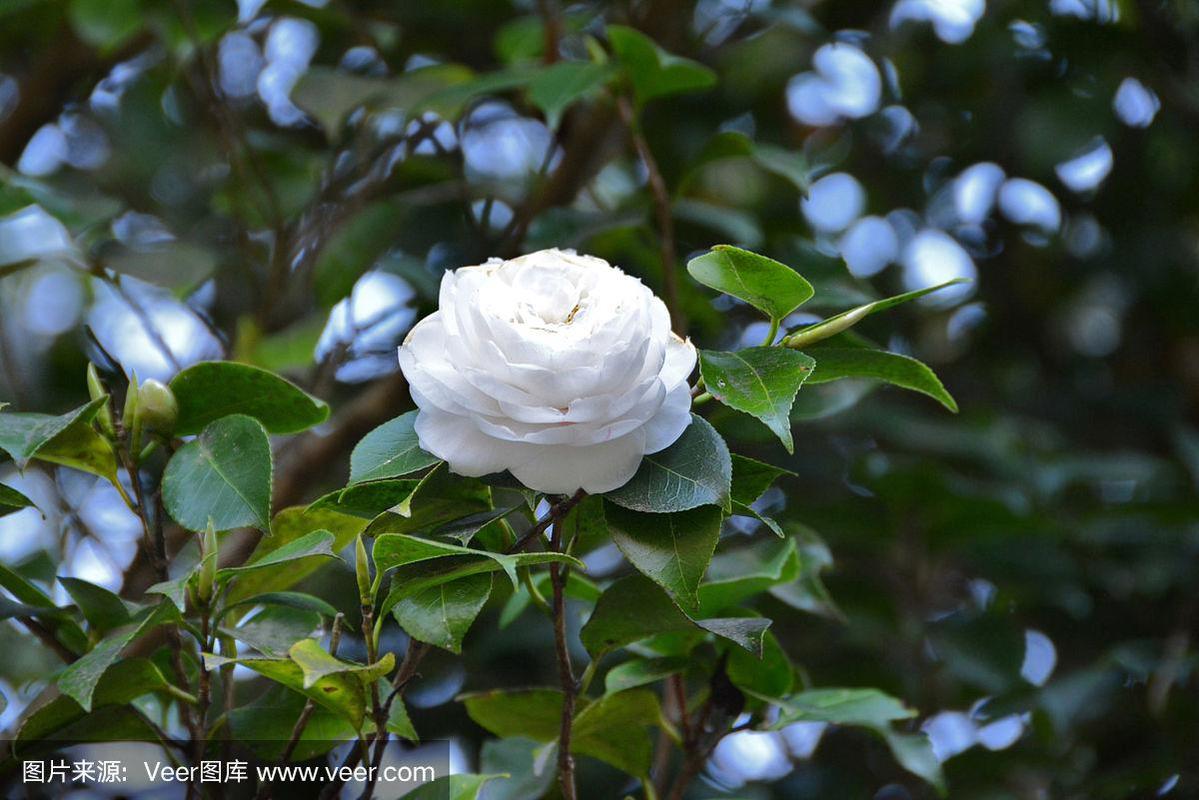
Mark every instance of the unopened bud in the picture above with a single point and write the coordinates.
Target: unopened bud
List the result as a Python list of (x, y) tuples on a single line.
[(157, 408), (129, 415), (363, 570), (208, 562), (96, 390)]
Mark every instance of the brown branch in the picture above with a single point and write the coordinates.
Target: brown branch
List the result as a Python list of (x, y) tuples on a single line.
[(551, 16), (566, 675), (412, 657), (662, 210), (557, 511), (154, 543), (203, 697), (382, 735), (675, 683), (297, 731)]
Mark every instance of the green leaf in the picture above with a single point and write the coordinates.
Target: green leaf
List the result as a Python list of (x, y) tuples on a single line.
[(393, 550), (275, 629), (126, 681), (22, 435), (558, 86), (451, 101), (398, 721), (365, 500), (441, 615), (641, 671), (222, 476), (175, 589), (452, 787), (653, 71), (847, 319), (266, 725), (12, 501), (297, 600), (10, 609), (634, 608), (737, 575), (914, 752), (438, 497), (317, 544), (106, 24), (771, 675), (211, 390), (535, 713), (81, 447), (289, 525), (101, 608), (835, 363), (769, 522), (340, 692), (869, 707), (696, 470), (79, 679), (673, 550), (389, 451), (516, 757), (316, 664), (773, 288), (614, 730), (788, 164), (807, 592), (783, 162), (465, 529), (751, 478), (65, 629), (760, 381), (425, 573)]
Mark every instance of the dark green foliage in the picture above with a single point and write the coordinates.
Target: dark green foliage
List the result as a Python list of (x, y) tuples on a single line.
[(1026, 566)]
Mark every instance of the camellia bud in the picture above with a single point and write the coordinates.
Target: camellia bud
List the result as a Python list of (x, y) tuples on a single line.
[(157, 408), (208, 558), (96, 390), (363, 569)]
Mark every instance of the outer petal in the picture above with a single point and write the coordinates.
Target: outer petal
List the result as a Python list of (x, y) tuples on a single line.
[(561, 469), (466, 449), (671, 420), (680, 361)]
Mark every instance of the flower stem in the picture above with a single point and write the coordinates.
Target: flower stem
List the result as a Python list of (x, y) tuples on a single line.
[(566, 675)]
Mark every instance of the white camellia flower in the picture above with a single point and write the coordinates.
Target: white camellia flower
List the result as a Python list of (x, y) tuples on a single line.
[(555, 366)]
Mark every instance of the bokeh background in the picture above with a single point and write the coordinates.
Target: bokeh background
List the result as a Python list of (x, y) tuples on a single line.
[(176, 185)]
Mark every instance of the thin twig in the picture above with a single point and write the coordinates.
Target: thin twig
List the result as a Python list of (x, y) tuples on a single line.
[(680, 699), (661, 195), (203, 695), (155, 545), (561, 509), (566, 675), (297, 731), (381, 733), (551, 17), (412, 658)]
